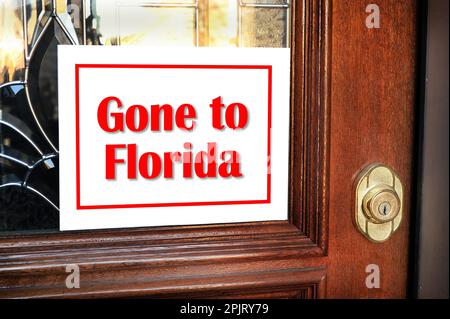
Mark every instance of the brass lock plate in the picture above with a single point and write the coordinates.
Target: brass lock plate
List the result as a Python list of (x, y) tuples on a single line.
[(378, 202)]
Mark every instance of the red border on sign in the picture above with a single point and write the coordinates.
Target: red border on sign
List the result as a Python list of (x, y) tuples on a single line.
[(170, 66)]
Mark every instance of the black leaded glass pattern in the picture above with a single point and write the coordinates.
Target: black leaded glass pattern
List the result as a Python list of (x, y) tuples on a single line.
[(29, 117)]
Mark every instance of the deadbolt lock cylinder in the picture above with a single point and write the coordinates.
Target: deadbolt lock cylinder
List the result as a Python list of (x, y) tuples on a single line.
[(381, 204), (378, 207)]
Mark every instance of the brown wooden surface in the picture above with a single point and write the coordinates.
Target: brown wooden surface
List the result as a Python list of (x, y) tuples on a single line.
[(372, 121), (352, 104)]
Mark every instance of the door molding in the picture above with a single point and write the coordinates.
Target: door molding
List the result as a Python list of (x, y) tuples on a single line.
[(33, 264)]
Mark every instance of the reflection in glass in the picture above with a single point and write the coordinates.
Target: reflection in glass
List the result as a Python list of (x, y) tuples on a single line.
[(263, 27), (28, 187), (25, 210), (144, 25), (249, 23), (12, 60)]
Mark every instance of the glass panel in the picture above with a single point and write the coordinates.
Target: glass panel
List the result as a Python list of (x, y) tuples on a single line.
[(17, 126), (263, 27), (164, 22), (157, 26), (66, 21), (22, 162), (222, 23), (11, 41), (28, 38), (35, 214), (270, 2), (33, 11), (71, 13), (37, 14)]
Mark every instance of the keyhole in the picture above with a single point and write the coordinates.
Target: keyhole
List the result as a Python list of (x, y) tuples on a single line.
[(385, 209)]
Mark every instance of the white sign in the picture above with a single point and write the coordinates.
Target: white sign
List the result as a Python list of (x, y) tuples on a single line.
[(155, 137)]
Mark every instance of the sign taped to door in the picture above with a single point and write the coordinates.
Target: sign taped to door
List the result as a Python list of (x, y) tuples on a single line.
[(157, 136)]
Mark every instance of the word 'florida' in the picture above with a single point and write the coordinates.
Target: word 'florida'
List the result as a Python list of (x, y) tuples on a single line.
[(150, 165), (204, 164)]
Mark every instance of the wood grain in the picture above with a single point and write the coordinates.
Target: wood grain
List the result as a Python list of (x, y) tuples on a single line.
[(373, 94), (221, 281), (352, 104), (25, 260)]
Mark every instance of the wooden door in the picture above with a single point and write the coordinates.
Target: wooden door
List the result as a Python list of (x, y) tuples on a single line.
[(353, 100)]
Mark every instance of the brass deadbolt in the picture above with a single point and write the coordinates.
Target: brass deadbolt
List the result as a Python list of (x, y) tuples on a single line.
[(379, 196)]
